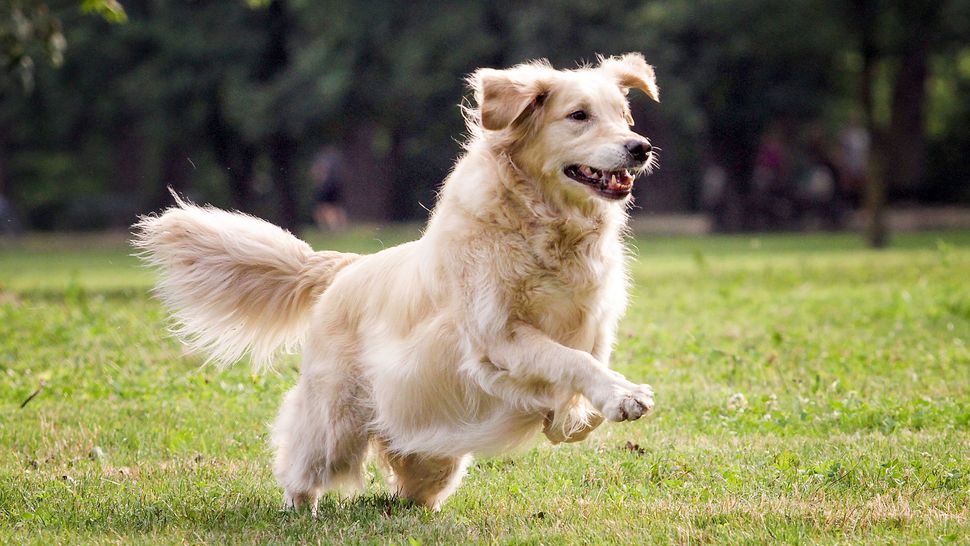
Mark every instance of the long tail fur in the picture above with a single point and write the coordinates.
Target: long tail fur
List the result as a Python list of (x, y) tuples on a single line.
[(234, 283)]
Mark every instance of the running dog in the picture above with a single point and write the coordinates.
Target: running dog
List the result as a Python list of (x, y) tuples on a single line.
[(497, 323)]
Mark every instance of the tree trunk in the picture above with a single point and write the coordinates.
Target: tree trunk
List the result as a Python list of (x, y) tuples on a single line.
[(128, 146), (402, 197), (3, 160), (877, 234), (908, 117), (366, 181), (127, 173), (274, 59), (175, 172), (240, 175), (234, 156), (874, 197), (281, 152)]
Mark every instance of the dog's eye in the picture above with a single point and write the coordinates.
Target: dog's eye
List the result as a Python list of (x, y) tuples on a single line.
[(579, 115)]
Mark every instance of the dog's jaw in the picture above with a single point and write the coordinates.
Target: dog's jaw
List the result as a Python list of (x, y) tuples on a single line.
[(613, 185)]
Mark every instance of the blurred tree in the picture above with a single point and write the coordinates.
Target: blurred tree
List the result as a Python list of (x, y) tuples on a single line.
[(228, 100), (748, 64), (899, 36), (29, 30), (948, 129), (864, 13)]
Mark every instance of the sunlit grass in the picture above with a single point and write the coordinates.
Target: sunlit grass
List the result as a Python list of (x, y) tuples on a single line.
[(808, 390)]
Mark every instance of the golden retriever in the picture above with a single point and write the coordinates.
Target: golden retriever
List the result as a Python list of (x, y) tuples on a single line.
[(497, 323)]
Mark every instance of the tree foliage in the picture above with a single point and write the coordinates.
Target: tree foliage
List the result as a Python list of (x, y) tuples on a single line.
[(229, 100), (28, 29)]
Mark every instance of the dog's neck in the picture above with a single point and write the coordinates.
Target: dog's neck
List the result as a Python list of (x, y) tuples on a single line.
[(529, 196)]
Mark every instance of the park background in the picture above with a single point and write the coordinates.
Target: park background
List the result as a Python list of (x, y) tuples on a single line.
[(809, 389), (231, 102)]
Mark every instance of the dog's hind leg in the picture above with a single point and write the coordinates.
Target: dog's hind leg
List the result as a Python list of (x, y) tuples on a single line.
[(321, 439), (424, 479)]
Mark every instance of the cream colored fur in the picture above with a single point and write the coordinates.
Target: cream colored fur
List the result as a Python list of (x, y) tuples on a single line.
[(497, 323)]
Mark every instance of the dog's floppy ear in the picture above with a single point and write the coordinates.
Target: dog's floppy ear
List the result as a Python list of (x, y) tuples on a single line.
[(503, 99), (632, 70)]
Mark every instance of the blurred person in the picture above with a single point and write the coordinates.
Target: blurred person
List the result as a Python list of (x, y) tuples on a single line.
[(772, 198), (855, 143), (713, 183), (719, 197), (328, 212), (819, 198)]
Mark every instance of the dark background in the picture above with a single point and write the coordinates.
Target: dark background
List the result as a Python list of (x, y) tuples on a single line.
[(229, 101)]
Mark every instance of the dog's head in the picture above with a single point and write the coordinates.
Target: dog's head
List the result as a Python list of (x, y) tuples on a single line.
[(569, 129)]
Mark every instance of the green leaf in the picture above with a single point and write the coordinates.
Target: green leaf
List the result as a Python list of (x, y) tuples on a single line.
[(110, 10)]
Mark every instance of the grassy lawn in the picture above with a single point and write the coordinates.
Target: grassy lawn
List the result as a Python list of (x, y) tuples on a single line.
[(808, 390)]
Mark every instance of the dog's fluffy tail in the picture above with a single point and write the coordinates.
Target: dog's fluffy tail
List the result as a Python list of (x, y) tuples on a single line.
[(234, 283)]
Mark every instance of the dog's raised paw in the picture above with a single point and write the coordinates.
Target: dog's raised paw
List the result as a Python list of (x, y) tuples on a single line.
[(630, 404)]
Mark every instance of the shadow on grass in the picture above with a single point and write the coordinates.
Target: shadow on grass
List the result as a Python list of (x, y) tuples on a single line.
[(252, 516)]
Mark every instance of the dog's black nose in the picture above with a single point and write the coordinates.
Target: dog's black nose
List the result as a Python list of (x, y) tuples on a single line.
[(638, 149)]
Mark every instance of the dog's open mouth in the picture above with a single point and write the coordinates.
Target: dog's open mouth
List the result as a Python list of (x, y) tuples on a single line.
[(609, 184)]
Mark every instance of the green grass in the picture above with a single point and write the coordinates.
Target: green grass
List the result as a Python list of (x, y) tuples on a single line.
[(808, 390)]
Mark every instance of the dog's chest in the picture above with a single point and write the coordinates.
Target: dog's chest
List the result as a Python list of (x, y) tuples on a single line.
[(570, 280)]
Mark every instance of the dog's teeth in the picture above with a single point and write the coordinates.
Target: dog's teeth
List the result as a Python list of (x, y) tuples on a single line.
[(612, 179), (586, 171)]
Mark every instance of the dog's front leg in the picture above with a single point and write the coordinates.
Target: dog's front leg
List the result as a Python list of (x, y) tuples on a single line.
[(571, 423), (528, 355)]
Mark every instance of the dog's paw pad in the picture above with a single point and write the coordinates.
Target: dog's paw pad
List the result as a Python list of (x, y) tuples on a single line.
[(630, 405)]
